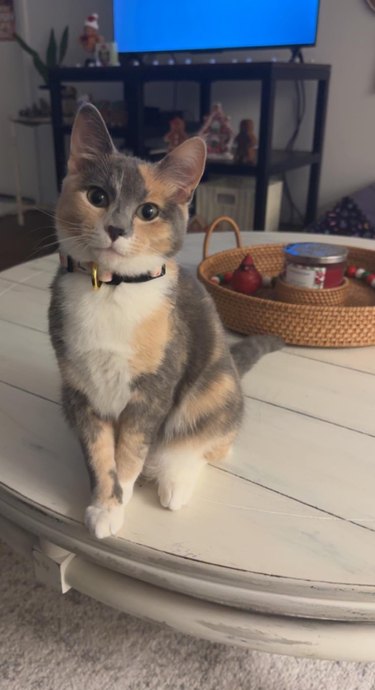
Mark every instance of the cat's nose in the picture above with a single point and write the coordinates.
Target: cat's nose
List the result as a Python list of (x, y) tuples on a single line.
[(115, 232)]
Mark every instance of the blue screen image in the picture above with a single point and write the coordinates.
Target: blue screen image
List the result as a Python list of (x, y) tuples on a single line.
[(145, 26)]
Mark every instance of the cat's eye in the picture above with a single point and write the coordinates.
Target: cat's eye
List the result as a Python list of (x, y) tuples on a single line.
[(97, 197), (148, 211)]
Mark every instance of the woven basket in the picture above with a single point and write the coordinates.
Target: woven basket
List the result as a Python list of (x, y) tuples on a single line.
[(349, 325), (329, 297)]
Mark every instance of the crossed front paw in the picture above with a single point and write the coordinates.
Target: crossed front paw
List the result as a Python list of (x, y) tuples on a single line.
[(102, 521)]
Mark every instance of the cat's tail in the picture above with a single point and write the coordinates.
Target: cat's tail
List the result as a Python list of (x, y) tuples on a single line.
[(247, 352)]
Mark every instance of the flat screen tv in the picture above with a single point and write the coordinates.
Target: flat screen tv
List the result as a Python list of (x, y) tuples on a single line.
[(157, 26)]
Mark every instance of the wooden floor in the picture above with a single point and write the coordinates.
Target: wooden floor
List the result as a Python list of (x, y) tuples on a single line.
[(23, 243)]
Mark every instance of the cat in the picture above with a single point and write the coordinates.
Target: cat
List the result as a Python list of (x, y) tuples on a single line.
[(148, 381)]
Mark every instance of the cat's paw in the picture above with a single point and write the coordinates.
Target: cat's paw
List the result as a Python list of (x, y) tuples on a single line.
[(174, 495), (104, 522)]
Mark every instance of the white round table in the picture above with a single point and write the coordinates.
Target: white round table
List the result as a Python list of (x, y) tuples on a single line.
[(276, 550)]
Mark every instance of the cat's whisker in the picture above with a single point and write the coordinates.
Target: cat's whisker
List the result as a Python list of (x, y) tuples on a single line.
[(40, 228), (53, 215), (42, 246), (63, 221)]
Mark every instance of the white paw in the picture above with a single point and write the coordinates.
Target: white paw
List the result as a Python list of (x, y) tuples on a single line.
[(174, 495), (127, 492), (104, 522)]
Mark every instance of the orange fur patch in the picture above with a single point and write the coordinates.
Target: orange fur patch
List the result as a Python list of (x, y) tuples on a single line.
[(213, 449), (150, 341), (159, 192), (102, 461), (221, 448), (197, 405), (76, 215), (131, 453)]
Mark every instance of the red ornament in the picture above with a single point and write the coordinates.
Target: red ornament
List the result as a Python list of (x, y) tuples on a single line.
[(228, 276), (246, 278), (351, 271), (247, 261), (370, 278)]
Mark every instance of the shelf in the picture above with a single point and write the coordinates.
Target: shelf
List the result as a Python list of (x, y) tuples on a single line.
[(239, 71), (281, 161), (142, 137), (289, 160)]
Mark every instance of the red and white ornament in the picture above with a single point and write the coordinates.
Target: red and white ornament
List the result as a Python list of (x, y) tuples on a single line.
[(361, 274)]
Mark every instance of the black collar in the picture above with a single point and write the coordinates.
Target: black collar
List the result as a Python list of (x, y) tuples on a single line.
[(141, 278), (113, 278)]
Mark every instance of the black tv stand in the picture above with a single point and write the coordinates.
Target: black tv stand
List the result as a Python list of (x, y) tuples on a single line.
[(297, 54), (270, 162)]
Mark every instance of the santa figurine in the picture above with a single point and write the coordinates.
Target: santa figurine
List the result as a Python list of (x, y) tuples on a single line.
[(91, 37)]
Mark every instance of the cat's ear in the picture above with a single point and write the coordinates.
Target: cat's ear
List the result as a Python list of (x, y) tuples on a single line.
[(183, 167), (90, 137)]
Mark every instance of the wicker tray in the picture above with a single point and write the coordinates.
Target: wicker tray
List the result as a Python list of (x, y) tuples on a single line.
[(349, 325)]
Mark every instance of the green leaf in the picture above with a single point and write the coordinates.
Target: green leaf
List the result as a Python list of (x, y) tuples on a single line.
[(63, 44), (38, 63), (24, 45), (41, 67), (51, 54)]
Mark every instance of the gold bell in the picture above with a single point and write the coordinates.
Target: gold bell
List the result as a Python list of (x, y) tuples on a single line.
[(96, 283)]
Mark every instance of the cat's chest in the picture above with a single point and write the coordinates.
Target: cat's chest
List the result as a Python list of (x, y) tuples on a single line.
[(100, 336)]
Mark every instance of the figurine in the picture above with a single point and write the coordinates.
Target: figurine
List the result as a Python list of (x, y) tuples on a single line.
[(217, 132), (246, 278), (176, 134), (244, 143), (91, 37)]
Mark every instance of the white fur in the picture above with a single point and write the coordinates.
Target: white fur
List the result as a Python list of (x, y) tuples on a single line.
[(177, 471), (104, 522), (99, 327)]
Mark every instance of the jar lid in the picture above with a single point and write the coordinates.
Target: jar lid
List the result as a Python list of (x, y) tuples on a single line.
[(315, 253)]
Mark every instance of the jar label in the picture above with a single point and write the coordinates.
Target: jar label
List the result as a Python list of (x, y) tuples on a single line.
[(305, 276)]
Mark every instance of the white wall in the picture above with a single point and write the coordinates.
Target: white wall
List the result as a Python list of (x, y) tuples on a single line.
[(12, 87), (19, 83), (345, 40)]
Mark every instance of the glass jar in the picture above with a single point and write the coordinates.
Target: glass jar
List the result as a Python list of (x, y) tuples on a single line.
[(314, 265)]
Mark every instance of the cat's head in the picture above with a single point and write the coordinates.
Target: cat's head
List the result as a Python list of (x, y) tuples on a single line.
[(118, 211)]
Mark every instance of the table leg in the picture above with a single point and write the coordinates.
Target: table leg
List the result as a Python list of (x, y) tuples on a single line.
[(38, 199), (17, 174), (264, 152)]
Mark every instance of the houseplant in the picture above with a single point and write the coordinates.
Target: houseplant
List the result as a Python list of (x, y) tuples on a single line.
[(54, 54)]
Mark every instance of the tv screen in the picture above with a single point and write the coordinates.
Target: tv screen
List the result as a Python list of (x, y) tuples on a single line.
[(149, 26)]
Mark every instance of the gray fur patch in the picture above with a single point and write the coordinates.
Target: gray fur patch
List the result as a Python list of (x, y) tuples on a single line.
[(121, 179), (247, 352), (56, 317), (117, 490), (173, 214)]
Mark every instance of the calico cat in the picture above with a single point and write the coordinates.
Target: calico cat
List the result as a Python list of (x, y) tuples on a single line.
[(149, 383)]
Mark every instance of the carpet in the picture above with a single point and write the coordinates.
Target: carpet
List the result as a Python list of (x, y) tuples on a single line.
[(53, 642)]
